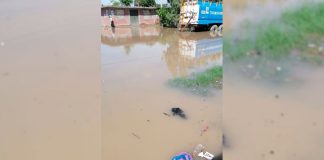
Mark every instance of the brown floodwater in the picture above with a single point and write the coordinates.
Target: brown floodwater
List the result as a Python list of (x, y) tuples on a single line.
[(50, 91), (50, 78), (273, 109), (271, 121), (137, 63)]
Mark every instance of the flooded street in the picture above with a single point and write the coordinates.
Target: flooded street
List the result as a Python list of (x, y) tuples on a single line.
[(71, 90), (136, 66), (273, 108)]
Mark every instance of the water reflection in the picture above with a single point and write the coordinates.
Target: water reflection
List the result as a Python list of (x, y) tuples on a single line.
[(129, 35), (182, 52), (192, 51)]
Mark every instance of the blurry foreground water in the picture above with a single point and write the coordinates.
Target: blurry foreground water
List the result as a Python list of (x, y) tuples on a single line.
[(273, 107)]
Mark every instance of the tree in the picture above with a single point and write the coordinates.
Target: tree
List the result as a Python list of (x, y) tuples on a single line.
[(169, 16), (136, 2), (147, 3), (126, 2), (115, 3)]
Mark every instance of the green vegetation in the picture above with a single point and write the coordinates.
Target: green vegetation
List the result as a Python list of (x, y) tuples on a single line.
[(278, 37), (115, 3), (266, 51), (169, 16), (147, 3), (308, 19), (143, 3), (126, 2), (210, 78)]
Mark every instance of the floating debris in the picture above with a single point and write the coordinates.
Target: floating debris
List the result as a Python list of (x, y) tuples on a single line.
[(198, 149), (311, 45), (278, 68), (219, 157), (182, 156), (2, 44), (206, 155), (166, 114), (205, 129), (178, 112), (135, 135), (225, 142)]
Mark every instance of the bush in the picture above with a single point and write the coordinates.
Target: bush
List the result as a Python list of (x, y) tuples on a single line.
[(126, 2), (115, 3), (147, 3), (169, 16)]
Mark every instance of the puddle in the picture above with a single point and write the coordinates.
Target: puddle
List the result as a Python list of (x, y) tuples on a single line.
[(136, 65)]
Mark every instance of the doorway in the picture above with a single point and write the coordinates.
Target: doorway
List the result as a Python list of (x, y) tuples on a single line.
[(134, 17)]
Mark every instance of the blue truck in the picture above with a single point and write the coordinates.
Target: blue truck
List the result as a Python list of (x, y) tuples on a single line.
[(201, 14)]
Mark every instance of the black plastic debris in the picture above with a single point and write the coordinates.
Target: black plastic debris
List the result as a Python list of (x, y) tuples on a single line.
[(225, 142), (178, 112), (219, 157), (135, 135)]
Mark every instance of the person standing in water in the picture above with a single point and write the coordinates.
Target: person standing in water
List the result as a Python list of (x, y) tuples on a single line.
[(112, 24)]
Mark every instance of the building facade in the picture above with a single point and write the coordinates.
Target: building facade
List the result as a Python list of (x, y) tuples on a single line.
[(129, 16)]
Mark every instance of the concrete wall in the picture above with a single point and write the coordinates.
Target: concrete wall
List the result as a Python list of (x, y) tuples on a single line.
[(148, 17), (121, 16)]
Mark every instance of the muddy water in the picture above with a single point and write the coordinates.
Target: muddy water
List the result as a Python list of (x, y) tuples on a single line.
[(274, 122), (136, 65), (269, 115), (49, 80)]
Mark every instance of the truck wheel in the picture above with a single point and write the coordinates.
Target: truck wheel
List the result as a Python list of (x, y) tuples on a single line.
[(213, 30), (220, 30)]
